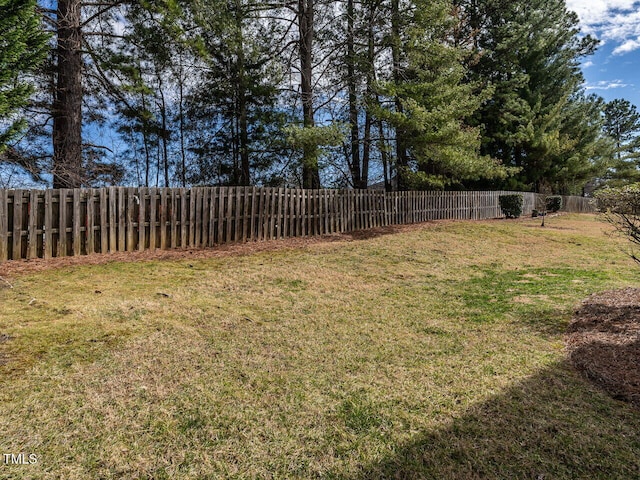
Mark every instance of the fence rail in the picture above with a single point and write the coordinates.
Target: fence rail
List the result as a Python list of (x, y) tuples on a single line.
[(65, 222)]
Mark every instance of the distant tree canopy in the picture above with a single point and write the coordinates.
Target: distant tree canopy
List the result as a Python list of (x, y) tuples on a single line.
[(409, 94), (622, 125)]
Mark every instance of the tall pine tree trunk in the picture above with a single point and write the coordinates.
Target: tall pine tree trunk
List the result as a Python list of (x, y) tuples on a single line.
[(67, 104), (164, 137), (183, 149), (402, 160), (310, 170), (384, 155), (369, 96), (245, 170), (243, 114), (145, 142), (356, 173)]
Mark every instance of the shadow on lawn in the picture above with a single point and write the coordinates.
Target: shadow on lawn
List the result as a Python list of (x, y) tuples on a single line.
[(547, 321), (551, 426), (376, 232)]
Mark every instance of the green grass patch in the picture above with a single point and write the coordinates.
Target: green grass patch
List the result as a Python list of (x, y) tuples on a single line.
[(434, 353)]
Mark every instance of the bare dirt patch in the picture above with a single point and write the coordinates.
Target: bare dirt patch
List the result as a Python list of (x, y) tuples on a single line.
[(603, 342), (530, 299)]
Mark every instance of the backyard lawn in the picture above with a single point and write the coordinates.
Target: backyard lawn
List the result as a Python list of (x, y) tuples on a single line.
[(435, 351)]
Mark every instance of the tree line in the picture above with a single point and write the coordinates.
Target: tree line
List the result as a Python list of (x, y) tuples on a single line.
[(439, 94)]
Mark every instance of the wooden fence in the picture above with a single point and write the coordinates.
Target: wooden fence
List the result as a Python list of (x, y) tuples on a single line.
[(56, 223)]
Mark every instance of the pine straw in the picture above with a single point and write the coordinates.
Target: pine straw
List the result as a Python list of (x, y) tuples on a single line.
[(12, 268), (603, 342)]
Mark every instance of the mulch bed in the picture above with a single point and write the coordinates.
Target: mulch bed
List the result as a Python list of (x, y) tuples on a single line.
[(603, 342)]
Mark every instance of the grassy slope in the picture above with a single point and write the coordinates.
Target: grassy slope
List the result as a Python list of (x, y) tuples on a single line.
[(435, 353)]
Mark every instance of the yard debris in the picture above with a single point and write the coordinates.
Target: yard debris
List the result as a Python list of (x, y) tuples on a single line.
[(603, 342), (5, 337)]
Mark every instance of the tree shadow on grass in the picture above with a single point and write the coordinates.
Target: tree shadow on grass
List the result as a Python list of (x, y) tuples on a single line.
[(375, 232), (547, 321), (554, 425)]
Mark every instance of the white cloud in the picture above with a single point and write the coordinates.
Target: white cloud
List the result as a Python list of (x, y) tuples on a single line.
[(587, 64), (617, 21), (607, 85), (627, 46), (595, 12)]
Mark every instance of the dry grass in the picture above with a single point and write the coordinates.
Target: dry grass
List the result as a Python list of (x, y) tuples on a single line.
[(433, 352)]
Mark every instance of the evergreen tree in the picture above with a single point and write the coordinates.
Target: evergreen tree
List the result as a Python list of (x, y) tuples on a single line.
[(236, 128), (530, 52), (23, 46), (622, 125), (587, 151), (435, 146)]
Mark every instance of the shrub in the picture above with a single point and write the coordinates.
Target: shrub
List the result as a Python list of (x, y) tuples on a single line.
[(622, 201), (511, 205), (554, 203), (621, 208)]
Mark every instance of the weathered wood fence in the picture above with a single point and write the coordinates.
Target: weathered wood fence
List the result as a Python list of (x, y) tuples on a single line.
[(56, 223)]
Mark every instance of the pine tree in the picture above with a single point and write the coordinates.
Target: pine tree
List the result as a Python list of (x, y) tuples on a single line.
[(236, 129), (622, 125), (435, 146), (530, 52), (23, 46)]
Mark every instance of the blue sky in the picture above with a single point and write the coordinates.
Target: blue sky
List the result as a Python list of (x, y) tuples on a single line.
[(614, 71)]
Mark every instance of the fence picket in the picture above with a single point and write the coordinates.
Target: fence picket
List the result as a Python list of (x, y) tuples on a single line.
[(32, 232), (153, 223), (245, 213), (48, 224), (212, 216), (4, 225), (237, 214), (122, 219), (90, 223), (131, 219), (164, 205), (17, 225), (228, 215), (254, 212), (142, 218), (193, 200), (174, 219), (184, 218), (103, 207)]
